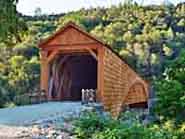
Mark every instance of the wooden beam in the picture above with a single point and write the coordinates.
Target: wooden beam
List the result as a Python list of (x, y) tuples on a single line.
[(44, 72), (52, 55), (128, 89), (92, 53), (43, 54), (74, 51), (62, 61), (100, 74), (71, 47)]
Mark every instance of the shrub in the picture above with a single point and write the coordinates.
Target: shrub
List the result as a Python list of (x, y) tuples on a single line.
[(171, 99), (93, 126), (3, 92), (123, 132), (9, 105), (22, 100), (170, 90), (90, 123), (3, 97)]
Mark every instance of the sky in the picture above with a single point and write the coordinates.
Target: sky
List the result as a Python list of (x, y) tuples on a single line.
[(28, 7)]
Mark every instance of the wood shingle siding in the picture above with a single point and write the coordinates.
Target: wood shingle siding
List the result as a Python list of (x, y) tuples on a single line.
[(119, 80)]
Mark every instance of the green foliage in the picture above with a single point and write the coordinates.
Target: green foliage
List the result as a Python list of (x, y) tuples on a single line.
[(23, 74), (9, 105), (19, 75), (170, 90), (93, 126), (11, 26), (20, 100), (8, 18), (170, 99), (91, 123), (3, 92)]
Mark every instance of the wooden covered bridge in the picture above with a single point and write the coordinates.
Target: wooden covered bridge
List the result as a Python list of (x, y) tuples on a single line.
[(72, 59)]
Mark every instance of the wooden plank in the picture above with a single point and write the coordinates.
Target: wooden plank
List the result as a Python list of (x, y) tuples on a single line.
[(74, 52), (102, 71), (71, 35), (80, 33), (52, 55), (100, 80), (99, 97), (71, 46), (92, 53), (44, 72)]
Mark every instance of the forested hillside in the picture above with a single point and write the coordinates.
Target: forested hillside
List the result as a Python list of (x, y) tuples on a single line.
[(151, 39)]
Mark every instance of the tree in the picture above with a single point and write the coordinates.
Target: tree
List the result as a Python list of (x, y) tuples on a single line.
[(38, 11), (11, 25), (8, 19), (170, 90)]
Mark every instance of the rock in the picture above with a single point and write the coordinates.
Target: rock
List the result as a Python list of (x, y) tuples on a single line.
[(59, 137), (63, 135), (150, 119), (67, 127), (52, 133), (92, 107), (56, 126), (35, 130), (87, 109)]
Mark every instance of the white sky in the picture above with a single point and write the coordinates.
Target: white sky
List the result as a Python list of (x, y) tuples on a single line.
[(28, 7)]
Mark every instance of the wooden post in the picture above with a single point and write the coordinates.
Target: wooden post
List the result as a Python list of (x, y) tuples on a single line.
[(100, 72), (44, 72)]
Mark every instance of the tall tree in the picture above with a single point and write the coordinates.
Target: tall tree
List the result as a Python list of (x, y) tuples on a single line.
[(9, 21)]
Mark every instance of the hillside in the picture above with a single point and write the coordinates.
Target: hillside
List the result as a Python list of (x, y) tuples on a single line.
[(148, 38)]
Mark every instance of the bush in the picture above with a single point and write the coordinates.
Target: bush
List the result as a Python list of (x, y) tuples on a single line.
[(93, 126), (170, 90), (3, 97), (171, 99), (9, 105), (4, 94), (23, 75), (90, 123), (22, 100), (124, 132)]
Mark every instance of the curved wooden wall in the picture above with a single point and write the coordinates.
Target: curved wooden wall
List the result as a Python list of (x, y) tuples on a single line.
[(136, 94), (119, 84)]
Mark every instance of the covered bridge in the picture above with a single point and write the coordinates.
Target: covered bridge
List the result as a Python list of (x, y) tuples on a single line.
[(72, 59)]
